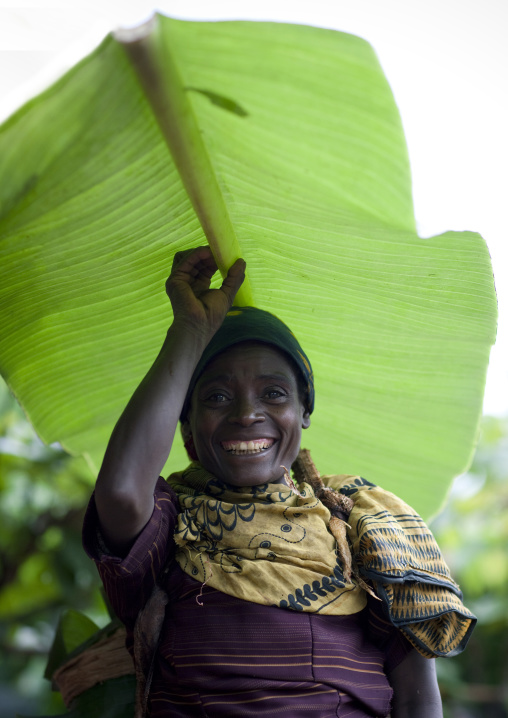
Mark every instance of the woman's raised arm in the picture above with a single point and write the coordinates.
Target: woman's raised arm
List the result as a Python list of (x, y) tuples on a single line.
[(141, 440)]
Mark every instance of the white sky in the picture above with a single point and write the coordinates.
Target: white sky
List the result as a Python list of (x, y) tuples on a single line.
[(447, 63)]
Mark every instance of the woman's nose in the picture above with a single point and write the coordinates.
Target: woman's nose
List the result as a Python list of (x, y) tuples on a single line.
[(245, 411)]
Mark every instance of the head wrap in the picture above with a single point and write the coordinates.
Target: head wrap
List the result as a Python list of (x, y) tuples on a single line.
[(245, 324)]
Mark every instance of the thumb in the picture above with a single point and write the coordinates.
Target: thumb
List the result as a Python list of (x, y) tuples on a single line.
[(234, 280)]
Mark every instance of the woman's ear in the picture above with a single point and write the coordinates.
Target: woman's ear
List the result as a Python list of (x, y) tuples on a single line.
[(185, 430), (188, 441), (306, 420)]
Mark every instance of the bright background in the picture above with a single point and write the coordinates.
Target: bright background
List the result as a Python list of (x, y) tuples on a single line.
[(446, 61)]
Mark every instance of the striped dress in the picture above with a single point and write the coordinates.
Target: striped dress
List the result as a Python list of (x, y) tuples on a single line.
[(222, 657)]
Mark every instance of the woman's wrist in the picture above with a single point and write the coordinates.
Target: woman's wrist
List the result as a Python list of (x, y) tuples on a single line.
[(189, 335)]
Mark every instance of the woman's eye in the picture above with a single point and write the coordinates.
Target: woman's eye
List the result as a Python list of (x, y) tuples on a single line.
[(217, 397), (274, 393)]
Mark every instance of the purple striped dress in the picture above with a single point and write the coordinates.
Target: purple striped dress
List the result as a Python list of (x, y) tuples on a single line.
[(222, 657)]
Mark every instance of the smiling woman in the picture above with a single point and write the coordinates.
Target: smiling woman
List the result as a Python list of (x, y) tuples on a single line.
[(255, 600), (246, 413), (247, 417)]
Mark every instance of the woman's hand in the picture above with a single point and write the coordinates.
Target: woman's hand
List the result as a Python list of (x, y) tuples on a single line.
[(195, 305)]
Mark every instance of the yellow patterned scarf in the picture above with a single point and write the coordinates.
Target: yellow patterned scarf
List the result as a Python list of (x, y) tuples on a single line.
[(269, 545)]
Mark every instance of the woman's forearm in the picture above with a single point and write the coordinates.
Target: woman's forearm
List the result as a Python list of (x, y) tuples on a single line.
[(431, 709), (142, 438), (415, 688)]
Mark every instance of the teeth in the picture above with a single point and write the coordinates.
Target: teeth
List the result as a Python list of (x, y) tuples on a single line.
[(247, 447)]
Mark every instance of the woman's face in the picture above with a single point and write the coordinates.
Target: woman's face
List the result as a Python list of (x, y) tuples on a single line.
[(246, 415)]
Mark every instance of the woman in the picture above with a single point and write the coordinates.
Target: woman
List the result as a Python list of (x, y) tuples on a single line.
[(260, 614)]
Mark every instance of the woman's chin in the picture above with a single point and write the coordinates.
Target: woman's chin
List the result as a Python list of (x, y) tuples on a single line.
[(243, 471)]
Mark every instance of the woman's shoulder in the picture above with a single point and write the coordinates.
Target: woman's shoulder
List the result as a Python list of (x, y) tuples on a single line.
[(366, 495), (347, 483)]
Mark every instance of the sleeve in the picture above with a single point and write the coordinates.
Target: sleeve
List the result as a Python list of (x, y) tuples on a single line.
[(392, 641), (129, 581), (395, 549)]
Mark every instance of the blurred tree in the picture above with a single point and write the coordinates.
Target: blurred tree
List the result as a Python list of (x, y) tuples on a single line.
[(43, 493), (473, 534)]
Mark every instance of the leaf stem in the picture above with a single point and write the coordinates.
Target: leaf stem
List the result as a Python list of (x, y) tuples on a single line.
[(148, 52)]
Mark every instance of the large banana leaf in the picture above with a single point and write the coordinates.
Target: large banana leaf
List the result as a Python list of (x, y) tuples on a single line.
[(293, 150)]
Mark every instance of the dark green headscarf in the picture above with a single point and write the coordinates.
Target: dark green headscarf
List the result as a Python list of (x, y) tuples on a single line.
[(245, 324)]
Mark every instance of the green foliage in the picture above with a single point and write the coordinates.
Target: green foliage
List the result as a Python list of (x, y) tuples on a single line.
[(310, 180), (42, 493), (74, 628), (111, 699), (43, 569), (473, 532)]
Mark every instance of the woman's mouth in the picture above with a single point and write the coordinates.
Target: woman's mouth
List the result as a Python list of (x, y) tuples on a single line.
[(253, 446)]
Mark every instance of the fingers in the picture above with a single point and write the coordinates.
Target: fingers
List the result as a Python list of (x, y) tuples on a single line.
[(194, 261), (234, 280), (193, 268), (188, 288)]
